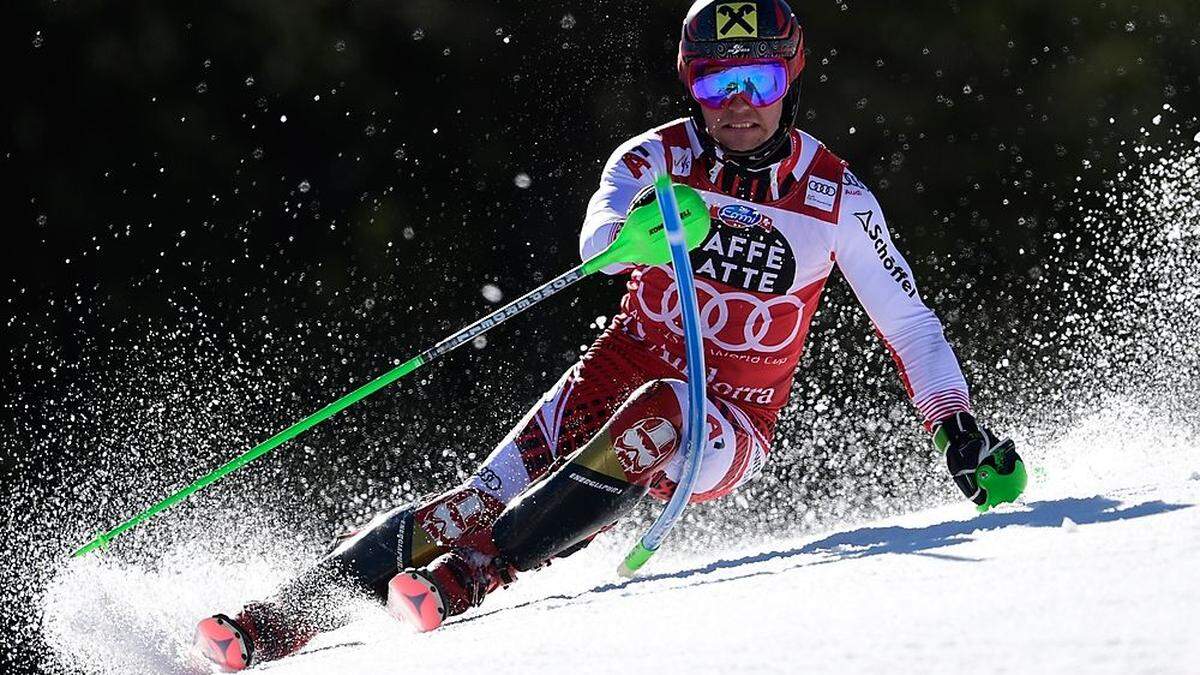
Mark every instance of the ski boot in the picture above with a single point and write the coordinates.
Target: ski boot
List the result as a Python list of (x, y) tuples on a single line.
[(256, 635), (453, 583), (224, 642)]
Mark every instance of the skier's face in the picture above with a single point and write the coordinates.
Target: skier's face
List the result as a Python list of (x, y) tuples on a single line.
[(740, 126)]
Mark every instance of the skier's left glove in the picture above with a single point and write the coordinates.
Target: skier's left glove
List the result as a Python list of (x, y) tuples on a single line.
[(987, 470)]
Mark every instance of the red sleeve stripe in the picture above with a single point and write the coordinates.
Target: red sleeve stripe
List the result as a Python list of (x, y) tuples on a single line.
[(942, 405)]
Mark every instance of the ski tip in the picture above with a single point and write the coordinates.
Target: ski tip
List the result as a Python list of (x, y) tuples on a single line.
[(414, 599), (223, 643)]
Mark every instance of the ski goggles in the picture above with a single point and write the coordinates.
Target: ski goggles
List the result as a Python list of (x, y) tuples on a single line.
[(760, 82)]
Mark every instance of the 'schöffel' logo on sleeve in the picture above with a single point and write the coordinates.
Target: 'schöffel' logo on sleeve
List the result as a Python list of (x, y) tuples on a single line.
[(880, 243)]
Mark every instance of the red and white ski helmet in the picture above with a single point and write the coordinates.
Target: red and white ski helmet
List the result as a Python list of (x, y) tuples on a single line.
[(741, 29)]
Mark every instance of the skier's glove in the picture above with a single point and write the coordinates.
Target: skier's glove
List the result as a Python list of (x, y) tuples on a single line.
[(987, 470), (645, 200)]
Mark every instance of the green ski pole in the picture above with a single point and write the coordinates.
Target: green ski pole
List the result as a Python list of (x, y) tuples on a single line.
[(640, 241)]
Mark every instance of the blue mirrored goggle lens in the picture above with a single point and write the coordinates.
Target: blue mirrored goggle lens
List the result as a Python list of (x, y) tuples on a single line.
[(760, 83)]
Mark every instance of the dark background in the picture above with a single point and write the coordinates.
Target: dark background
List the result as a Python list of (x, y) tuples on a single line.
[(222, 215)]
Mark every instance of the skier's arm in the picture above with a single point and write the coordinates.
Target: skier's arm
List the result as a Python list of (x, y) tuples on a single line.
[(627, 172), (884, 284)]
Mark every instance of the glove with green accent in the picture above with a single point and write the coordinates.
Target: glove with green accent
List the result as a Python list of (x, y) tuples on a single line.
[(987, 470)]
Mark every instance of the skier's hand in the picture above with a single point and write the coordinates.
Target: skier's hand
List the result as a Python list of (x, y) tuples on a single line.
[(987, 470)]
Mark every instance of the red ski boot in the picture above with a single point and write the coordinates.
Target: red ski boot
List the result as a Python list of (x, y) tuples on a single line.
[(224, 642), (259, 633), (453, 583)]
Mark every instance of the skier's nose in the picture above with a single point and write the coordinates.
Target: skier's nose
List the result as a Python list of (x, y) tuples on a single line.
[(738, 104)]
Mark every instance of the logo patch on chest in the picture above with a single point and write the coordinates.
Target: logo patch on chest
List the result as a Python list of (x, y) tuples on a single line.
[(757, 259), (821, 194), (681, 162), (741, 215)]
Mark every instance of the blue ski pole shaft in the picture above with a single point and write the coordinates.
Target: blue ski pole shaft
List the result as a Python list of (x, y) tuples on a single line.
[(697, 402)]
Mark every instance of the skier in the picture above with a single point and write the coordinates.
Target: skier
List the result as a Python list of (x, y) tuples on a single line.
[(785, 210)]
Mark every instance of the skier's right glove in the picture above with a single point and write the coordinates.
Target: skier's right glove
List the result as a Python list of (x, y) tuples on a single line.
[(987, 470)]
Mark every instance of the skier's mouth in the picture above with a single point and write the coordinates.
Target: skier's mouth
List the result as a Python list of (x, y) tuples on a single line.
[(740, 125)]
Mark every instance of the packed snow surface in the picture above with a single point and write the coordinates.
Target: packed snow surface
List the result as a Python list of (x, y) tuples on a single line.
[(1021, 590), (1094, 572)]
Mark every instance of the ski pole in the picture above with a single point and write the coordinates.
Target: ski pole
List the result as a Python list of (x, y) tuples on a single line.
[(640, 241), (697, 401)]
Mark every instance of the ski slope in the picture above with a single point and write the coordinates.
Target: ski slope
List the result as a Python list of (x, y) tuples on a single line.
[(1095, 572), (1078, 584)]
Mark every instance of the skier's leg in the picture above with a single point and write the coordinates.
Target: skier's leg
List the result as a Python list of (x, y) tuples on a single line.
[(593, 488), (414, 536), (636, 452), (269, 629), (599, 483)]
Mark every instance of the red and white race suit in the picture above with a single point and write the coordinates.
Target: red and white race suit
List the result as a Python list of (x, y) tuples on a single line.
[(761, 271), (777, 234)]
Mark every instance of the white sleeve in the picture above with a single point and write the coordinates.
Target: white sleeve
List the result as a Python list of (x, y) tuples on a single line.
[(883, 283), (631, 168)]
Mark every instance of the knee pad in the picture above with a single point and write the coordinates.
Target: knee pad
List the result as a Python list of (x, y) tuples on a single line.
[(647, 431)]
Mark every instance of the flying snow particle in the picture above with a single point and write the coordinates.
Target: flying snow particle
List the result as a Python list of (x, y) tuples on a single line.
[(522, 180), (408, 233), (419, 34), (479, 342), (305, 186), (492, 293), (567, 22), (1196, 137), (283, 118), (249, 81), (1157, 120), (41, 219), (37, 39)]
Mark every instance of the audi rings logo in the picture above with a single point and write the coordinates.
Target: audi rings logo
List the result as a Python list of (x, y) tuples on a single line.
[(735, 321), (822, 194), (822, 187)]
